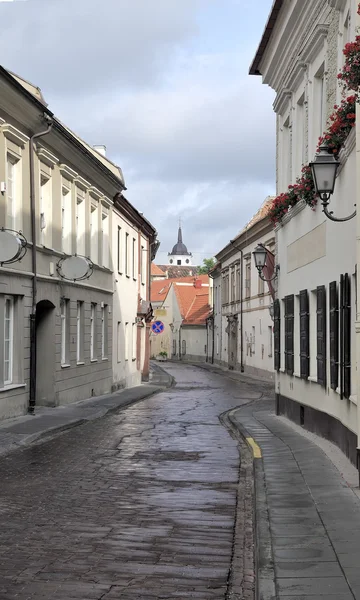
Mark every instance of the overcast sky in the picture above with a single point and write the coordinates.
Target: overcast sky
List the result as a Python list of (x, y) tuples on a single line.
[(164, 85)]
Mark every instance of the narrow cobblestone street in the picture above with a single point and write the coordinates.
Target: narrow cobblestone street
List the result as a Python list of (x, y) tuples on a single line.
[(140, 504)]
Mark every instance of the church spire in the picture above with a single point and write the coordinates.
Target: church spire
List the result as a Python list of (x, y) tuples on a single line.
[(180, 233)]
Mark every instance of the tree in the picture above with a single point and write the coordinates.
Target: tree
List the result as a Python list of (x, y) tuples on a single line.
[(208, 264)]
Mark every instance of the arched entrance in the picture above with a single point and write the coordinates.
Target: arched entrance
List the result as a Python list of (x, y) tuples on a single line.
[(45, 353)]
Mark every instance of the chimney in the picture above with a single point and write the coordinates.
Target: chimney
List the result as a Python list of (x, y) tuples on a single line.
[(100, 149), (197, 283)]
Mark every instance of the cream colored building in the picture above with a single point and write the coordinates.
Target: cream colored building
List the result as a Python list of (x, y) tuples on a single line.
[(315, 312), (69, 189), (241, 324)]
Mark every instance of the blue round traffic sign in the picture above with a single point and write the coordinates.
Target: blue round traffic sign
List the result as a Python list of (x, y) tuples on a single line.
[(157, 327)]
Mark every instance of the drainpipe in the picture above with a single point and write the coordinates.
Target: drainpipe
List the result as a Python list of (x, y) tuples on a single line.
[(32, 393)]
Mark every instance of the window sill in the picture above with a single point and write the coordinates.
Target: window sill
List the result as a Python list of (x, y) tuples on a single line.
[(128, 276), (80, 363), (65, 366), (142, 283), (134, 279), (312, 379), (93, 360), (12, 386), (119, 273), (104, 359), (133, 359)]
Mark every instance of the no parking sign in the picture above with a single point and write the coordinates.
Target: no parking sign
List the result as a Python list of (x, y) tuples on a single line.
[(157, 327)]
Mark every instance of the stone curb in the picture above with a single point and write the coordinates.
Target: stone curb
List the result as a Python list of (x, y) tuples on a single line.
[(264, 561)]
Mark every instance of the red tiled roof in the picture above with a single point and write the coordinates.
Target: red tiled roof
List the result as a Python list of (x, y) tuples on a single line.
[(156, 271), (198, 311), (193, 303), (159, 290)]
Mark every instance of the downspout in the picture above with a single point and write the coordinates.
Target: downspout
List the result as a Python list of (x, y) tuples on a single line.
[(213, 326), (32, 393)]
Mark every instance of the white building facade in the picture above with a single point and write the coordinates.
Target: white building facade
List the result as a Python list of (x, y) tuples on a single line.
[(315, 308), (241, 325)]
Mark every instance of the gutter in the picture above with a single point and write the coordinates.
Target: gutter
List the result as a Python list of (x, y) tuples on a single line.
[(32, 391), (274, 13)]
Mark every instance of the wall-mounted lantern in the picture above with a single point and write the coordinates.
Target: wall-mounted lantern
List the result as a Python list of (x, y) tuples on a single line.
[(260, 257), (324, 169)]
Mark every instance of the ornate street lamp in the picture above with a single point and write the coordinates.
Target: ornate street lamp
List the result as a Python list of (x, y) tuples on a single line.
[(324, 169), (260, 256)]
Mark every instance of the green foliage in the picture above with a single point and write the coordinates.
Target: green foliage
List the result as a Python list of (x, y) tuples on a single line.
[(208, 264)]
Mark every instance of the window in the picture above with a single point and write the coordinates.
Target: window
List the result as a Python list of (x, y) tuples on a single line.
[(178, 262), (65, 331), (233, 284), (118, 340), (319, 99), (134, 341), (261, 287), (286, 154), (105, 238), (8, 339), (142, 265), (104, 331), (304, 335), (217, 343), (299, 148), (66, 232), (270, 342), (183, 347), (248, 279), (13, 189), (79, 331), (94, 233), (238, 282), (174, 347), (289, 334), (133, 258), (277, 335), (321, 334), (80, 223), (45, 211), (253, 340), (119, 250), (93, 353), (127, 254), (127, 341)]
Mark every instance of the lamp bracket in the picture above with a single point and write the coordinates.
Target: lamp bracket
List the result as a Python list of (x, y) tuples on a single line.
[(277, 269), (330, 214)]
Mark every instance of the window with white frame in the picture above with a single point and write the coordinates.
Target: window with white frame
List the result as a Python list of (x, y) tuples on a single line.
[(319, 103), (105, 237), (253, 340), (104, 331), (65, 337), (142, 264), (134, 258), (66, 229), (299, 147), (80, 223), (118, 341), (12, 209), (8, 339), (79, 331), (94, 233), (93, 353), (261, 286), (119, 253), (45, 210), (248, 279), (286, 153), (134, 340), (127, 254), (127, 341)]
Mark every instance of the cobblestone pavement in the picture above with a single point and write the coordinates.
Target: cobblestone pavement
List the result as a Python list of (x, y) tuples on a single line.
[(139, 504)]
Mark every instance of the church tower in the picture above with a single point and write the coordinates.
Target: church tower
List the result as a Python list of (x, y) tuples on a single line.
[(179, 254)]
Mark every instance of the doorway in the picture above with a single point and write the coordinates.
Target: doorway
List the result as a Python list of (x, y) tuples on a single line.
[(232, 342), (45, 353)]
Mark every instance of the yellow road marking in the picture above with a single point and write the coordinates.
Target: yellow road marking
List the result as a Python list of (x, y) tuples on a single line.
[(255, 448)]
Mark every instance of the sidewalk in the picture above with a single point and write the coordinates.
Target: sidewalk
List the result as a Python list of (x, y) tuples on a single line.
[(25, 430), (310, 512), (307, 513)]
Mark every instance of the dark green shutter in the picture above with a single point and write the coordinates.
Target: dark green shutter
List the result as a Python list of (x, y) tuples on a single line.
[(277, 330), (304, 335), (289, 335), (347, 336), (334, 335), (321, 334)]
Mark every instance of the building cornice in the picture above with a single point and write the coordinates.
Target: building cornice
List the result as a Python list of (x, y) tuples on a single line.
[(46, 157), (14, 135), (82, 183), (314, 43), (337, 4), (95, 193), (68, 172)]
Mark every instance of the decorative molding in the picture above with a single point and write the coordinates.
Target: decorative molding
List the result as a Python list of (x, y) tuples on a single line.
[(14, 135), (95, 193), (106, 202), (282, 100), (82, 183), (46, 157), (68, 173), (314, 43), (337, 4), (2, 122), (296, 75)]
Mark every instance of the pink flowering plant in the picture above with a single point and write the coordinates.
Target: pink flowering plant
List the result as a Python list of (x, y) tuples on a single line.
[(339, 125)]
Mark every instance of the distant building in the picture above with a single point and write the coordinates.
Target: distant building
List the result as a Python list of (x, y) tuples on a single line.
[(179, 255)]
